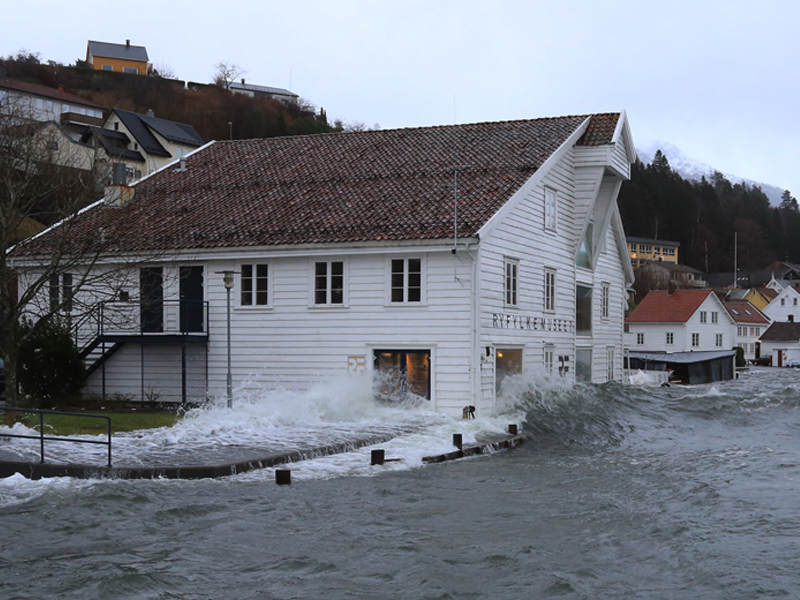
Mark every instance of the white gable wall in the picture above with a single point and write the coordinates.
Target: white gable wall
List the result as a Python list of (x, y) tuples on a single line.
[(784, 307)]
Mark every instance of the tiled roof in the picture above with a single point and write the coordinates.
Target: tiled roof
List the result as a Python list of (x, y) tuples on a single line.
[(767, 292), (119, 51), (782, 332), (742, 311), (338, 188), (46, 92), (659, 306)]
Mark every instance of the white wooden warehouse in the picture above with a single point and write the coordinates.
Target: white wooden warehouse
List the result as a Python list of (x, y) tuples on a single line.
[(450, 256)]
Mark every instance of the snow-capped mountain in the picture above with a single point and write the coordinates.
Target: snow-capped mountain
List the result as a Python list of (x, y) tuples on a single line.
[(694, 170)]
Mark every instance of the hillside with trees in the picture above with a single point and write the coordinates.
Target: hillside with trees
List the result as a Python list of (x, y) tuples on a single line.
[(214, 112), (709, 218)]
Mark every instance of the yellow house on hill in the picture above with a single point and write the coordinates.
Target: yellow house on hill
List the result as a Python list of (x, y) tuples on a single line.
[(641, 249), (122, 58)]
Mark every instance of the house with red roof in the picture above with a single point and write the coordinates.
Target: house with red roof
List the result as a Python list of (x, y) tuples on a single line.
[(680, 321), (748, 325), (438, 261)]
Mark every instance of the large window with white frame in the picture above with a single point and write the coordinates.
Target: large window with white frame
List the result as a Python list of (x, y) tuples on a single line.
[(329, 283), (670, 338), (550, 209), (60, 292), (406, 280), (549, 355), (606, 300), (610, 363), (718, 341), (511, 279), (549, 290), (254, 285), (695, 340)]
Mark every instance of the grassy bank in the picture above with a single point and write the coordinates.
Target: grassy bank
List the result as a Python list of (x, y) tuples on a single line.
[(81, 425)]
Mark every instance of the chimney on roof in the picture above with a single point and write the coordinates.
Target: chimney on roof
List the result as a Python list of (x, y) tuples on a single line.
[(61, 90), (150, 113), (127, 43), (671, 288), (242, 80)]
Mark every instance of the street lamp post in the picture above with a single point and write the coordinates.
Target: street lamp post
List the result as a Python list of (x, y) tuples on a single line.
[(227, 278)]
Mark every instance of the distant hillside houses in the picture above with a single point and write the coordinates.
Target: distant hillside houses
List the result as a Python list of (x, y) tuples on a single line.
[(262, 91)]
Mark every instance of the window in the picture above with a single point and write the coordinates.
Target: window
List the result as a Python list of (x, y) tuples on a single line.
[(107, 68), (584, 258), (512, 270), (753, 331), (583, 310), (718, 341), (549, 353), (640, 339), (741, 331), (695, 340), (606, 294), (329, 282), (403, 372), (583, 364), (609, 364), (794, 301), (255, 285), (131, 70), (550, 209), (508, 361), (60, 291), (703, 316), (670, 338), (783, 301), (715, 317), (549, 290), (406, 280)]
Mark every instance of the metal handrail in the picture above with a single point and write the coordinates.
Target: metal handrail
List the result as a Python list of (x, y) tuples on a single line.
[(41, 437)]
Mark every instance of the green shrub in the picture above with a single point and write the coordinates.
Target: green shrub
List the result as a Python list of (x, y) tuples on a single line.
[(50, 365)]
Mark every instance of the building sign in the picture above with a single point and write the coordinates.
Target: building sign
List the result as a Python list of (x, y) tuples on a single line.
[(503, 321), (356, 365)]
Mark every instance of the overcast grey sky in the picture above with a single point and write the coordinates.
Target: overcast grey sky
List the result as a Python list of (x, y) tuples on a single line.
[(717, 78)]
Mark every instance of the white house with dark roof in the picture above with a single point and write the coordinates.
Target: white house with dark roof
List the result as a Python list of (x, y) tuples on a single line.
[(143, 143), (781, 342), (439, 260), (785, 307), (263, 91)]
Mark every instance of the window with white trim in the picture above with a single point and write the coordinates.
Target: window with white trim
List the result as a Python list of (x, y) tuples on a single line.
[(609, 364), (130, 70), (406, 280), (329, 282), (670, 338), (695, 340), (605, 300), (511, 281), (549, 354), (60, 292), (703, 316), (714, 317), (549, 290), (254, 285), (718, 341), (640, 339), (550, 209)]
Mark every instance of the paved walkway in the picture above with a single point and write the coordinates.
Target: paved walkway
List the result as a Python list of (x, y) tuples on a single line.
[(39, 470)]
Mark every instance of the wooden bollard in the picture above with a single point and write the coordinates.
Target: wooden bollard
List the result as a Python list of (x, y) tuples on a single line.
[(457, 440), (283, 476), (512, 429), (377, 457)]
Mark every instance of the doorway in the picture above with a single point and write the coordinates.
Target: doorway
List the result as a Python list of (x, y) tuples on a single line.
[(151, 294), (191, 296)]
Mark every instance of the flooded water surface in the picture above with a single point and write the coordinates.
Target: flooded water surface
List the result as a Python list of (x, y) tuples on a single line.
[(621, 492)]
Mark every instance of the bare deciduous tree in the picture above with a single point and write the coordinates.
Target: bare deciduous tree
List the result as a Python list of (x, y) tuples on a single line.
[(226, 73)]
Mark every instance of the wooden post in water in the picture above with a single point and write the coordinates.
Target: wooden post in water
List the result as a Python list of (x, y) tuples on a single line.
[(457, 440), (512, 429), (377, 457), (283, 476)]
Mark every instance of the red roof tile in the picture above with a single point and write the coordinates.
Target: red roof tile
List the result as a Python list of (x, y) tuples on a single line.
[(346, 187), (659, 306)]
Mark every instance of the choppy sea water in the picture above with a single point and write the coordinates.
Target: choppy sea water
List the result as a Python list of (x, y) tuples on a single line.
[(622, 492)]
